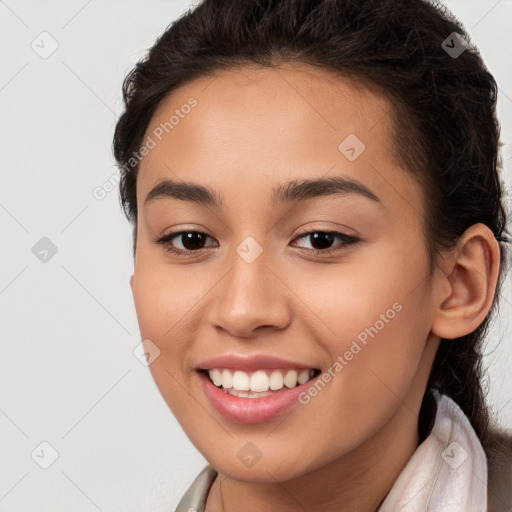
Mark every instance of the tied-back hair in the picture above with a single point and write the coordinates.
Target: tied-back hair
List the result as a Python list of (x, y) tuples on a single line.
[(446, 134)]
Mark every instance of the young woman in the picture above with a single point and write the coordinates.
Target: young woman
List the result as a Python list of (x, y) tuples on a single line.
[(319, 242)]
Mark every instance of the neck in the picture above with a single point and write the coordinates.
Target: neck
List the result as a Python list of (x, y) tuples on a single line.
[(356, 482)]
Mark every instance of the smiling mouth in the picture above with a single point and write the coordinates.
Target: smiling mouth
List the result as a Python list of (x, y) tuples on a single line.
[(258, 383)]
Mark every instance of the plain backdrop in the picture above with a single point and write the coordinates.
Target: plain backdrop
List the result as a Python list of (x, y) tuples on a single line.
[(73, 395)]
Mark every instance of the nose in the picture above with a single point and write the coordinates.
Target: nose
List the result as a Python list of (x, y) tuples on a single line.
[(252, 296)]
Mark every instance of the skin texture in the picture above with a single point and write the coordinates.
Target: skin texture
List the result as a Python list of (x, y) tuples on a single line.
[(252, 129)]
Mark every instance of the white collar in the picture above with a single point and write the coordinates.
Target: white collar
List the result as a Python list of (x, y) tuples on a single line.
[(448, 470)]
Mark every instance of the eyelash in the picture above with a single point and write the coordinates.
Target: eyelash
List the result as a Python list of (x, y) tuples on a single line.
[(347, 241)]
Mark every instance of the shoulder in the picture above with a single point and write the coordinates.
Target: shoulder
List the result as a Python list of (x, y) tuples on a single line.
[(499, 461)]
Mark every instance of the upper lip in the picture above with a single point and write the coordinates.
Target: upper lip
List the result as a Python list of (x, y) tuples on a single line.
[(249, 363)]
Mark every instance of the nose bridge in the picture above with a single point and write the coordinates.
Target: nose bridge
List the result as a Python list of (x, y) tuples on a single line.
[(251, 295)]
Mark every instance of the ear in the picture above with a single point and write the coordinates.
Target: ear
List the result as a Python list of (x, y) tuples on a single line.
[(466, 283), (131, 282)]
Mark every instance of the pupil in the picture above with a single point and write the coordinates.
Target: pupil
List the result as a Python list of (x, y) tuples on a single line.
[(191, 240), (323, 239)]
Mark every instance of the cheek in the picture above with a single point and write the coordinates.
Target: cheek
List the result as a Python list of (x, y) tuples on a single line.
[(377, 373), (344, 300), (373, 321), (161, 300), (169, 302), (162, 305)]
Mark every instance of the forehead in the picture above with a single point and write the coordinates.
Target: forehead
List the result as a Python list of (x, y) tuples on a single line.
[(255, 126)]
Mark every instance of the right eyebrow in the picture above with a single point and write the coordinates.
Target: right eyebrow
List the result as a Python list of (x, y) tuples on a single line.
[(185, 191)]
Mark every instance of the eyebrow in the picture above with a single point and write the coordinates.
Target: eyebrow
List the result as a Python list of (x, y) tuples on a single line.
[(292, 191)]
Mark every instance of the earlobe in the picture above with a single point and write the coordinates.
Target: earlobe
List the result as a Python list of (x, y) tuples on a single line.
[(467, 283)]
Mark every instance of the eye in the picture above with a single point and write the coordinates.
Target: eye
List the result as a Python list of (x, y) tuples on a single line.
[(322, 241), (191, 241)]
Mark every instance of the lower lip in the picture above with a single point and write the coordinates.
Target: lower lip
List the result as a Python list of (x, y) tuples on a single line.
[(252, 410)]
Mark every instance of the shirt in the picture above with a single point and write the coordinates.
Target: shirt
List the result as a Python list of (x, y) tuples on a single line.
[(447, 471)]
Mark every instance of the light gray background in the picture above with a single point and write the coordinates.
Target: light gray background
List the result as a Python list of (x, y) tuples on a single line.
[(68, 326)]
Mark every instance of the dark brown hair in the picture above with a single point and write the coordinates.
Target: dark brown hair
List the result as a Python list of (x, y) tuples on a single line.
[(443, 112)]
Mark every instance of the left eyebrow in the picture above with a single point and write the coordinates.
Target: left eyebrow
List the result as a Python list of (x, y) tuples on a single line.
[(308, 189), (292, 191)]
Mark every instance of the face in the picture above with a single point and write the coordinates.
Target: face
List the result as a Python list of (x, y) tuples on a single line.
[(281, 276)]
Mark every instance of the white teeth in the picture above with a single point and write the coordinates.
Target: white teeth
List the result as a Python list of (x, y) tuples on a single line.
[(303, 376), (240, 381), (258, 383), (290, 379), (276, 380), (227, 379), (216, 376)]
